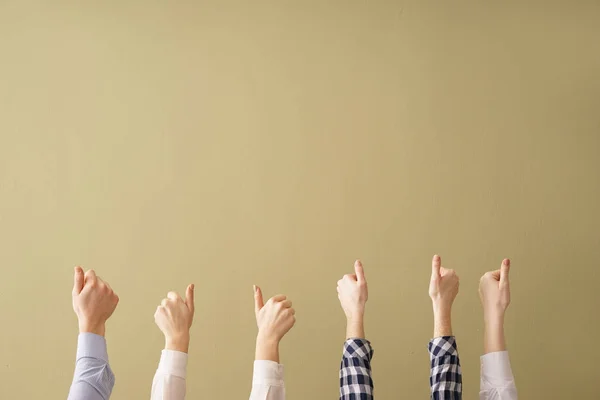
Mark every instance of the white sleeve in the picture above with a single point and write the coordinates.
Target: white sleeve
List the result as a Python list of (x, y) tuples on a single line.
[(497, 381), (169, 380), (267, 382)]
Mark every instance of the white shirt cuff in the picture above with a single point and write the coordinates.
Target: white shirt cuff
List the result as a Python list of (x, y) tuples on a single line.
[(268, 373), (496, 370), (173, 363)]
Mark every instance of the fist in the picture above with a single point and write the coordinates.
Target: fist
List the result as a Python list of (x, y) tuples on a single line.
[(443, 286), (353, 292), (93, 301), (274, 318), (174, 317), (494, 291)]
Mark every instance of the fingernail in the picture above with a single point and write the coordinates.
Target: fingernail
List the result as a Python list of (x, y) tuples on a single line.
[(193, 286), (254, 287), (507, 262)]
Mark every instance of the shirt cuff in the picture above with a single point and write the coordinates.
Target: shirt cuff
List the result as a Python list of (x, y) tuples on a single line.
[(268, 373), (92, 346), (173, 363), (495, 369), (443, 346), (360, 348)]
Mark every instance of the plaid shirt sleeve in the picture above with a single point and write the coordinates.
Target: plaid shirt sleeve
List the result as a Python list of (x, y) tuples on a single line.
[(355, 370), (446, 377)]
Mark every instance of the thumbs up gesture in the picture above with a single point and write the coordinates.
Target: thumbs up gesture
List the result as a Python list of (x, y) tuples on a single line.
[(443, 286), (93, 301), (274, 318), (353, 293), (174, 317), (494, 291)]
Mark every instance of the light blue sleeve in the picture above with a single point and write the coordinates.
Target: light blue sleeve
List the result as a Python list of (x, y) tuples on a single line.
[(93, 378)]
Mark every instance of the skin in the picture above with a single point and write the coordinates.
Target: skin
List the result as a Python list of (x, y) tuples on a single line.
[(274, 319), (174, 317), (494, 293), (443, 289), (93, 301), (353, 294)]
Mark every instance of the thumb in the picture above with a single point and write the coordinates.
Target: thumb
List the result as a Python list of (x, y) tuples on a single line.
[(504, 269), (258, 299), (189, 297), (436, 265), (359, 271), (77, 280)]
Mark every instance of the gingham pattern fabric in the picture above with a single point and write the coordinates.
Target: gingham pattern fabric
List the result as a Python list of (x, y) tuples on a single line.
[(446, 377), (355, 370)]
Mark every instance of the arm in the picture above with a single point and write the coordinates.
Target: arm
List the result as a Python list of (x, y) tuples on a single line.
[(93, 378), (445, 375), (93, 302), (174, 318), (497, 381), (356, 381), (274, 319)]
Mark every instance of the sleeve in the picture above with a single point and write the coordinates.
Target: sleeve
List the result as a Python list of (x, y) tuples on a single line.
[(497, 381), (445, 375), (169, 380), (267, 382), (93, 378), (356, 382)]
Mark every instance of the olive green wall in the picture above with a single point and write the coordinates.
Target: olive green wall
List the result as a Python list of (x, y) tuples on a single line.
[(232, 143)]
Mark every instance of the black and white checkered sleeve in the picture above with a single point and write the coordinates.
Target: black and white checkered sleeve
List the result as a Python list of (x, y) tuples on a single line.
[(355, 370), (446, 377)]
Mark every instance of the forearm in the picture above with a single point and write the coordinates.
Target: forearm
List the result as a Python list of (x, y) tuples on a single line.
[(442, 321), (180, 343), (266, 349), (93, 379), (355, 328), (356, 381), (169, 382), (493, 338), (445, 375)]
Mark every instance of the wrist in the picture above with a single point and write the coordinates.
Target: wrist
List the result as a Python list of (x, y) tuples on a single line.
[(442, 309), (178, 343), (355, 328), (95, 328), (493, 318), (267, 348)]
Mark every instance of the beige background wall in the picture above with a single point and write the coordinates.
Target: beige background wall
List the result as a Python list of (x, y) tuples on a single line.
[(227, 144)]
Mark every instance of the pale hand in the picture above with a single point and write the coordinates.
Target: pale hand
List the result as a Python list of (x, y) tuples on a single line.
[(353, 293), (274, 318), (443, 286), (174, 317), (93, 301), (494, 291)]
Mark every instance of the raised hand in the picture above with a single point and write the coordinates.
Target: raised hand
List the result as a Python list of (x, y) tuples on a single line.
[(443, 289), (274, 319), (353, 294), (93, 301), (494, 292), (174, 317)]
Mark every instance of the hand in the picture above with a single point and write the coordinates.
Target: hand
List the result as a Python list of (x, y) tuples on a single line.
[(353, 294), (274, 319), (93, 301), (443, 288), (174, 318), (494, 292)]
